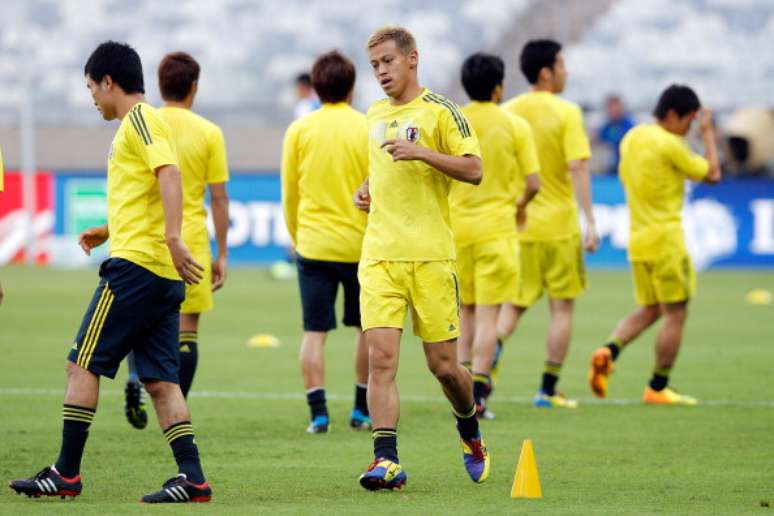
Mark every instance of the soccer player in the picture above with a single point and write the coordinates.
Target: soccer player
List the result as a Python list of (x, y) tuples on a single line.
[(201, 152), (484, 217), (325, 159), (419, 143), (137, 303), (655, 162), (551, 248)]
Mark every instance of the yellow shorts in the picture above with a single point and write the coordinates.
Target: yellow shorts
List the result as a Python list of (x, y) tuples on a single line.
[(489, 271), (554, 265), (198, 298), (430, 289), (670, 279)]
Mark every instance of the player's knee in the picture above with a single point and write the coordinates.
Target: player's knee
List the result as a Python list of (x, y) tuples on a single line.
[(381, 362), (443, 368), (160, 390)]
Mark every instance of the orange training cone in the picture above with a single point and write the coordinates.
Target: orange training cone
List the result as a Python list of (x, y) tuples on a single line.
[(526, 483)]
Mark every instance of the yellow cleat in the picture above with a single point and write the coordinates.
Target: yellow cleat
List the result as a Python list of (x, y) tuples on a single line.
[(601, 368), (667, 396), (558, 400)]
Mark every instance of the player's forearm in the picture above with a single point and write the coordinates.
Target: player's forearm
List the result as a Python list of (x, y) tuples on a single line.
[(220, 220), (531, 190), (462, 168), (581, 182), (170, 188), (711, 155)]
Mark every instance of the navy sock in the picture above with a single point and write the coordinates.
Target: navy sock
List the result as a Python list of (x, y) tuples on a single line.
[(481, 387), (550, 377), (180, 437), (75, 431), (467, 424), (189, 357), (316, 400), (615, 346), (385, 444), (361, 398), (660, 378)]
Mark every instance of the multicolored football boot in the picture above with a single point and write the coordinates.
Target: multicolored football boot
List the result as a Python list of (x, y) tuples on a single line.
[(383, 474), (476, 459), (666, 396), (599, 371), (48, 482), (558, 400)]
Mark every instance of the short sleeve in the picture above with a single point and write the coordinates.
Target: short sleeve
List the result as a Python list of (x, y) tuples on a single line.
[(526, 152), (217, 167), (690, 164), (457, 136), (156, 144), (574, 139)]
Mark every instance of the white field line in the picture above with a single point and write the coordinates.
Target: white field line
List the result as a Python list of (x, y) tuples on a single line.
[(280, 396)]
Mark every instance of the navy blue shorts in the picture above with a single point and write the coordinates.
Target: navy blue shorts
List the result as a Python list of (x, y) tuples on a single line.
[(132, 310), (319, 281)]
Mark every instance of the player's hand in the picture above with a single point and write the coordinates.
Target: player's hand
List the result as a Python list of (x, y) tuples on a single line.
[(92, 238), (705, 120), (402, 150), (521, 218), (190, 271), (591, 239), (219, 272), (362, 198)]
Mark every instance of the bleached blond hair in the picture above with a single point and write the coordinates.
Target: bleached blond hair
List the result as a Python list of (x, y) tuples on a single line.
[(403, 38)]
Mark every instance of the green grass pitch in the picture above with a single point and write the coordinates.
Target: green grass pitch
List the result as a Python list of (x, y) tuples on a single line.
[(617, 457)]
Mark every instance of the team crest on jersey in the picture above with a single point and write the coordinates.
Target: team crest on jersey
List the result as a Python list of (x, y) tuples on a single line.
[(412, 134), (394, 124)]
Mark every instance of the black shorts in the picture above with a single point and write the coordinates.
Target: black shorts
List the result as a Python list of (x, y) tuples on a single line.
[(132, 310), (319, 283)]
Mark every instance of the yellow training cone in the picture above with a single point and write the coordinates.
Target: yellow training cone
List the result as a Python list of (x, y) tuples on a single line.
[(526, 482), (263, 340)]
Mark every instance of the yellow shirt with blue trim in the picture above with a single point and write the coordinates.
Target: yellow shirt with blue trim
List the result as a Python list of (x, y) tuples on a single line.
[(201, 153), (324, 161), (654, 166), (142, 144), (488, 211), (560, 137), (409, 217)]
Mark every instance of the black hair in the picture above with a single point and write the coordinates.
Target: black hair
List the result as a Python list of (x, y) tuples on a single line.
[(121, 62), (304, 78), (679, 98), (536, 55), (481, 74)]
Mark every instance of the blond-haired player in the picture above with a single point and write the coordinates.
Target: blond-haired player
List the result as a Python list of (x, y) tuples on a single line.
[(419, 142)]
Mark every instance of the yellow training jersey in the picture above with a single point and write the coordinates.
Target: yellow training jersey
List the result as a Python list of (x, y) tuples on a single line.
[(201, 153), (142, 144), (488, 211), (324, 161), (409, 218), (557, 125), (654, 166)]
